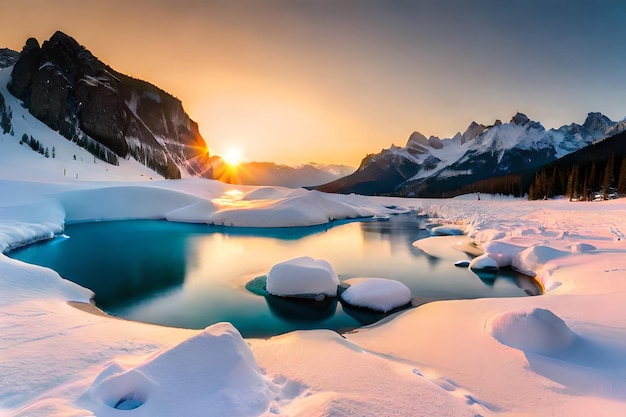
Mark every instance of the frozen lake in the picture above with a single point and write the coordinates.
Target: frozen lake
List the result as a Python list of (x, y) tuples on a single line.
[(192, 276)]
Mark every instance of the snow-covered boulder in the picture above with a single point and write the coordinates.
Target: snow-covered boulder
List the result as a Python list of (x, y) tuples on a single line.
[(377, 294), (211, 374), (447, 230), (483, 263), (302, 277), (502, 252), (532, 329)]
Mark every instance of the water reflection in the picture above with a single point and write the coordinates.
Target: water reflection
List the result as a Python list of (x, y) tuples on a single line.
[(301, 310)]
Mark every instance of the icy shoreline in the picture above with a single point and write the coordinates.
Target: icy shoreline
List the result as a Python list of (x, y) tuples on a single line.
[(559, 354)]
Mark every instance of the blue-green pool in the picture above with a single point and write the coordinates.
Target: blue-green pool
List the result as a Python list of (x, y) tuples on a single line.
[(192, 276)]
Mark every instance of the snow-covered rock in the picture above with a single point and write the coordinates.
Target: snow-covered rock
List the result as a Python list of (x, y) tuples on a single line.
[(532, 329), (377, 294), (483, 263), (447, 230), (302, 277), (211, 374)]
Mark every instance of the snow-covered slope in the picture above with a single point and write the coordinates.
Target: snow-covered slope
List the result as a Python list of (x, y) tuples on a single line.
[(69, 162)]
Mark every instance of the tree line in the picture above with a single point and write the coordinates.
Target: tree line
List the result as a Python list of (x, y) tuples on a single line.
[(583, 181)]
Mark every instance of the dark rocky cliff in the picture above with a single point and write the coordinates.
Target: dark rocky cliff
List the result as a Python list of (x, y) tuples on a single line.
[(70, 90)]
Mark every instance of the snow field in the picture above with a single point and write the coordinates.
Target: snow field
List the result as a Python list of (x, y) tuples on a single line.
[(559, 354)]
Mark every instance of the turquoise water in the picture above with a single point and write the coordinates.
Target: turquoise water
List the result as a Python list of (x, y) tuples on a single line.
[(192, 276)]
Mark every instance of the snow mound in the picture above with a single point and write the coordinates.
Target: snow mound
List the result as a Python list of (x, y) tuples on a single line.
[(299, 208), (532, 329), (531, 259), (378, 294), (302, 277), (266, 193), (446, 231), (199, 212), (503, 253), (582, 248), (211, 374), (483, 263)]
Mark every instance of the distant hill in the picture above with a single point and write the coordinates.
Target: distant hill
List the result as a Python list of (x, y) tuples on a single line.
[(269, 173)]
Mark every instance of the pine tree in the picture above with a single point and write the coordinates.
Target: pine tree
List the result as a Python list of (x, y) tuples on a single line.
[(570, 185), (576, 184), (607, 180), (621, 179), (592, 179)]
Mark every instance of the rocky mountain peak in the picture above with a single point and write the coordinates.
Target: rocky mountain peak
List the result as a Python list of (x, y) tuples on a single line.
[(416, 138), (8, 57), (598, 122), (473, 130), (520, 119), (65, 86)]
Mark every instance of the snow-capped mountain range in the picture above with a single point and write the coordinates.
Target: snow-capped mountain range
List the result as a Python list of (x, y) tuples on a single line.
[(428, 166)]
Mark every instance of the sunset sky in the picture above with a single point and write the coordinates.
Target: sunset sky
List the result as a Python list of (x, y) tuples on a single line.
[(328, 81)]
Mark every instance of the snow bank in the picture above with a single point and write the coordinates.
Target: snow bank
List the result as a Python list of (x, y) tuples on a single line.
[(532, 329), (199, 212), (533, 258), (300, 208), (31, 281), (211, 374), (303, 276), (24, 224), (378, 294)]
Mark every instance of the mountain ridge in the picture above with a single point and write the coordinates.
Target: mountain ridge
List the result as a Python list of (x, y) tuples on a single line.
[(481, 152)]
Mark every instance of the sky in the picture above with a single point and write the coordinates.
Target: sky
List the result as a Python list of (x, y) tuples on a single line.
[(329, 81)]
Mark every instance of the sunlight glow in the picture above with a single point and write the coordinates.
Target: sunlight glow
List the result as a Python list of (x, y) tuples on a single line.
[(233, 157)]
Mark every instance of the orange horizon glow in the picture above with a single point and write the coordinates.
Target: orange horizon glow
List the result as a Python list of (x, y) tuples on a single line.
[(329, 82)]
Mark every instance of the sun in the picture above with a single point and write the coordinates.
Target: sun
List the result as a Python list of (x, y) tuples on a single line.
[(233, 157)]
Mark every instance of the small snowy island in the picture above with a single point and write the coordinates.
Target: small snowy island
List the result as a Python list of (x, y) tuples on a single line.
[(303, 277)]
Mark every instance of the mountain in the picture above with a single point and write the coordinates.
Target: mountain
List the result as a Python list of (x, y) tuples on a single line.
[(112, 115), (436, 167), (269, 173), (8, 57), (596, 170)]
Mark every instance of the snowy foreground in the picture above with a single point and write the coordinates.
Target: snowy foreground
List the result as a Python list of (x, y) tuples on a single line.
[(561, 354)]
